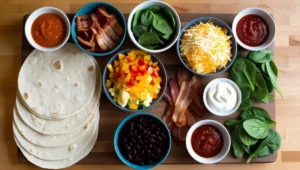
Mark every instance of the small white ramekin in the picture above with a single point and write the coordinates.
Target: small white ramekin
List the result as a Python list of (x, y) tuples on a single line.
[(148, 4), (268, 19), (226, 142), (36, 14), (214, 83)]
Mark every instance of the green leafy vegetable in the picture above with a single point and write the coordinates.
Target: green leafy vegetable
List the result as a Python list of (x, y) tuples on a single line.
[(161, 24), (243, 73), (273, 79), (149, 39), (257, 129), (170, 16), (245, 93), (256, 113), (167, 36), (266, 99), (136, 18), (262, 56), (156, 9), (232, 122), (268, 146), (151, 47), (147, 18), (246, 139), (246, 104), (237, 147), (261, 90), (138, 30)]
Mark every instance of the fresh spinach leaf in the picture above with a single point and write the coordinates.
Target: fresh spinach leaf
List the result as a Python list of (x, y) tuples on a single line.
[(167, 36), (246, 148), (262, 56), (147, 18), (256, 113), (136, 18), (257, 129), (151, 47), (159, 34), (138, 30), (246, 138), (261, 89), (161, 24), (243, 73), (237, 147), (170, 17), (273, 78), (268, 146), (245, 93), (273, 68), (269, 84), (156, 9), (246, 104), (232, 122), (266, 99), (149, 39)]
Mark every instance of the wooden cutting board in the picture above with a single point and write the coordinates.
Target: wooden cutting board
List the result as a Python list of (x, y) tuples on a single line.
[(110, 116)]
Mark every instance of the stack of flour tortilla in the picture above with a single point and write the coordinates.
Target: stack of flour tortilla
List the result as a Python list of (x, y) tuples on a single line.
[(56, 115)]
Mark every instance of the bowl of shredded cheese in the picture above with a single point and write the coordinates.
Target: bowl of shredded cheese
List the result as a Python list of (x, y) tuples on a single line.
[(206, 46)]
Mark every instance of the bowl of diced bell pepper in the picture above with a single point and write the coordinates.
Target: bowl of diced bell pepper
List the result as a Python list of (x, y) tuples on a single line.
[(134, 80)]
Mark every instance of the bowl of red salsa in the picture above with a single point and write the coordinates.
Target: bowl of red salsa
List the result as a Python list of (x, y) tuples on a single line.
[(254, 29), (208, 141)]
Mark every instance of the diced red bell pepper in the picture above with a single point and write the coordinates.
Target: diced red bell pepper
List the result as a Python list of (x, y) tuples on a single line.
[(143, 69), (117, 75), (141, 62), (130, 83), (152, 82), (155, 73), (129, 59)]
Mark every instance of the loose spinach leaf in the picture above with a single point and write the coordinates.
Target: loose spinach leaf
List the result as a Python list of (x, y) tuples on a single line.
[(268, 146), (170, 17), (149, 39), (245, 93), (273, 78), (246, 139), (266, 99), (232, 122), (136, 18), (256, 113), (262, 56), (269, 84), (273, 68), (257, 129), (237, 147), (246, 104), (147, 18), (243, 73), (156, 9), (161, 24), (261, 89), (138, 30), (154, 31), (167, 36), (151, 47)]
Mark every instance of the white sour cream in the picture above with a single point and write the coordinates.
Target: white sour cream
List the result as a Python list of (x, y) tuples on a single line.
[(222, 97)]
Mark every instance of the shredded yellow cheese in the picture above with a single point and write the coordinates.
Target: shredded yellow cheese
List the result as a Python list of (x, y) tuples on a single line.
[(206, 47)]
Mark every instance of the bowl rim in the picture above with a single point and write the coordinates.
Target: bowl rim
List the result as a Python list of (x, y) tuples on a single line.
[(74, 32), (42, 11), (235, 86), (193, 154), (153, 2), (116, 137), (235, 22), (162, 90), (234, 45)]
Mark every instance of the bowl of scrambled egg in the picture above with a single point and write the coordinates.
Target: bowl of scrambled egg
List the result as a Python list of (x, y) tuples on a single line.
[(206, 46), (134, 80)]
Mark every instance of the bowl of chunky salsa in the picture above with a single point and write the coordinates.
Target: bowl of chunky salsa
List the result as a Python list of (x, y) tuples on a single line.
[(208, 141), (47, 29), (254, 29)]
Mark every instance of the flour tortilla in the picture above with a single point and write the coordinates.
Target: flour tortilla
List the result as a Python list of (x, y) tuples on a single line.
[(64, 163), (57, 84), (56, 153), (61, 126), (50, 140)]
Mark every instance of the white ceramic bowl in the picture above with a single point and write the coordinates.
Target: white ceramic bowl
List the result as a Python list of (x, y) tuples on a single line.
[(212, 84), (268, 19), (226, 142), (148, 4), (36, 14)]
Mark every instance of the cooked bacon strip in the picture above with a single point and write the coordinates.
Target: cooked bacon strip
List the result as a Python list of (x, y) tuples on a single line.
[(113, 23), (95, 27), (197, 106), (93, 41), (174, 89), (167, 96), (94, 17), (186, 95), (83, 22), (191, 119), (183, 75), (107, 40), (110, 32), (103, 12), (183, 121), (82, 41), (86, 34), (182, 132), (100, 42)]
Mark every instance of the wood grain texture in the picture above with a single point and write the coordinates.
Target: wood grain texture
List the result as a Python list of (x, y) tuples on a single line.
[(287, 51)]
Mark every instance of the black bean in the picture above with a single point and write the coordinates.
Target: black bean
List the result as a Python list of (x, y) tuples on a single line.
[(150, 146), (160, 139), (131, 125), (148, 133), (124, 139), (138, 147), (151, 140), (127, 147), (142, 152), (149, 151), (139, 126), (158, 151), (141, 162), (144, 132)]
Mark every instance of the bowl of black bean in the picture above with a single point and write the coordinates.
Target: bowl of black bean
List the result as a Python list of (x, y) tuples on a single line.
[(142, 141)]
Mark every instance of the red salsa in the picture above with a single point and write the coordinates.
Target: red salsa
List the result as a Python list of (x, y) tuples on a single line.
[(207, 141), (252, 30)]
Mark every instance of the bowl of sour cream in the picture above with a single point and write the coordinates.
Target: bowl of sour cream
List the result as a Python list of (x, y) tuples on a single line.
[(222, 97)]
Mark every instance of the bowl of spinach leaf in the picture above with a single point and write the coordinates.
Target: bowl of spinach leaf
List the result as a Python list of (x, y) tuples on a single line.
[(154, 26)]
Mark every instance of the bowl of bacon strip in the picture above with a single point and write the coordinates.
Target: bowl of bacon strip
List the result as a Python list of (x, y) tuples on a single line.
[(185, 107), (98, 28)]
